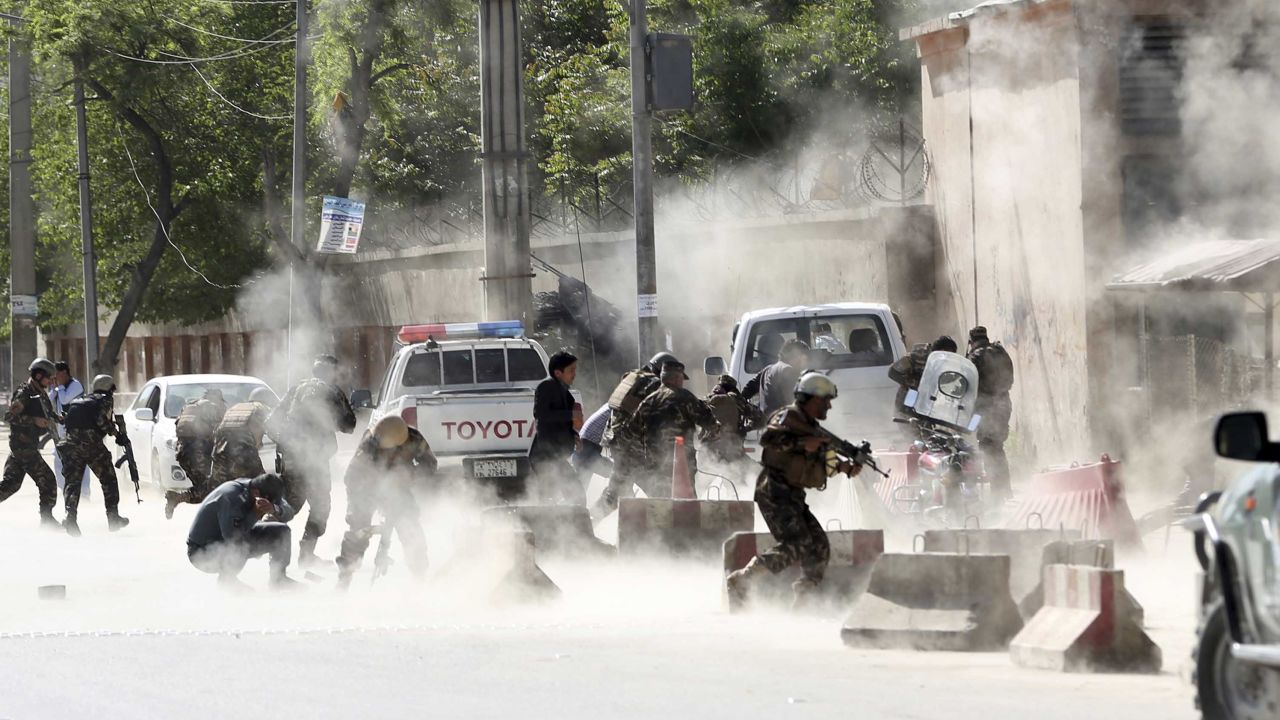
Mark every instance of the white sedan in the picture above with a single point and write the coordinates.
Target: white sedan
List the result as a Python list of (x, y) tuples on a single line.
[(152, 422)]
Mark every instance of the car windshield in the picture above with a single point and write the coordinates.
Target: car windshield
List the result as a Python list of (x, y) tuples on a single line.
[(843, 341), (179, 395)]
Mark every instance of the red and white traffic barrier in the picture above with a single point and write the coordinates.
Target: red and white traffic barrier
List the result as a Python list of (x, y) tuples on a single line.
[(1088, 498), (1088, 623)]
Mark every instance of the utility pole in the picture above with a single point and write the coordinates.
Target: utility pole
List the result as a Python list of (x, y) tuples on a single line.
[(298, 207), (86, 228), (22, 229), (508, 276), (642, 181)]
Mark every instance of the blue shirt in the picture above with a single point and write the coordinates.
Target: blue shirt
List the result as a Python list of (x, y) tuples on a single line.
[(61, 396)]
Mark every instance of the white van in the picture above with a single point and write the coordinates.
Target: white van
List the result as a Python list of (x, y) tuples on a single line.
[(860, 340)]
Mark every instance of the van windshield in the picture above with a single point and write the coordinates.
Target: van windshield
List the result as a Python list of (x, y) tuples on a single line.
[(835, 341)]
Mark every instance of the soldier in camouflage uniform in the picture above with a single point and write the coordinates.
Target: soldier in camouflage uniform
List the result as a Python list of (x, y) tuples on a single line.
[(89, 420), (669, 413), (238, 439), (196, 424), (795, 459), (30, 416), (634, 387), (391, 457), (304, 424), (737, 417), (995, 378), (908, 369)]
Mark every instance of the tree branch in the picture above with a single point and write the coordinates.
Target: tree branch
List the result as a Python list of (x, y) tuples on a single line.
[(387, 71)]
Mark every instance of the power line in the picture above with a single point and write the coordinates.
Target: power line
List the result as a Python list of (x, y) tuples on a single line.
[(147, 194), (263, 43), (217, 35), (712, 143), (224, 99)]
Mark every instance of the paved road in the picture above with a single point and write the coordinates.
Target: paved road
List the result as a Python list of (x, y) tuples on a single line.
[(144, 635)]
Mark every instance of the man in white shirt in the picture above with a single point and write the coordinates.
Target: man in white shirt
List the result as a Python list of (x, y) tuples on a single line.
[(65, 389)]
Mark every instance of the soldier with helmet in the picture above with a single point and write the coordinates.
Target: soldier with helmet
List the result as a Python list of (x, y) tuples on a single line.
[(634, 387), (238, 438), (795, 458), (737, 417), (669, 412), (995, 379), (389, 460), (304, 424), (89, 420), (30, 416), (196, 425)]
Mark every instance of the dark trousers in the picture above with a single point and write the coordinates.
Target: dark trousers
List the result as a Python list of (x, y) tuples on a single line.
[(96, 456), (307, 480), (557, 480), (227, 558), (799, 534), (589, 460), (25, 461), (996, 464)]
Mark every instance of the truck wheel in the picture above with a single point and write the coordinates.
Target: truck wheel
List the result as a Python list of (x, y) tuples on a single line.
[(1227, 689)]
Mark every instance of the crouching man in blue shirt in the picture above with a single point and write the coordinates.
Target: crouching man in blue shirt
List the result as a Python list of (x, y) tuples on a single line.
[(239, 520)]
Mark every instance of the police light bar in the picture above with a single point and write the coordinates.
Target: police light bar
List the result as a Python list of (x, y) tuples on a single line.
[(461, 331)]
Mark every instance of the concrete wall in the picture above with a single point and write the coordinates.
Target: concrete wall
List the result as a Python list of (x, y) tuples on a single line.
[(1001, 105), (708, 276)]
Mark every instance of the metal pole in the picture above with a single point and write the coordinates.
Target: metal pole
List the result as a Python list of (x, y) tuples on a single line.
[(1269, 319), (642, 180), (86, 229), (298, 206), (22, 229)]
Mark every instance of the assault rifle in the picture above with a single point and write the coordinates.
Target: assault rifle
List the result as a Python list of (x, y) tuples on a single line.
[(857, 454), (122, 439)]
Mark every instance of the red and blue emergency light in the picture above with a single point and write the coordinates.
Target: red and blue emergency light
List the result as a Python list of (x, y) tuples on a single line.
[(461, 331)]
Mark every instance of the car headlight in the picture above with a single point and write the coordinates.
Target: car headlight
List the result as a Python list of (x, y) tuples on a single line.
[(177, 474)]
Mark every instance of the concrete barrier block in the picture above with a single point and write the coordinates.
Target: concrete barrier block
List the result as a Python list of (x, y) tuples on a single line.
[(1088, 624), (500, 565), (935, 601), (696, 528), (853, 553), (563, 530), (1025, 549)]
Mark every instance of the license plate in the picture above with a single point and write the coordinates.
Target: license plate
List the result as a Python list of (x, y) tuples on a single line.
[(493, 468)]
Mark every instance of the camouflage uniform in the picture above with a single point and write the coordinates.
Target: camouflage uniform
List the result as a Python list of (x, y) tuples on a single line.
[(627, 457), (85, 448), (780, 495), (304, 424), (29, 404), (382, 480), (996, 410), (237, 441), (662, 417), (907, 371), (737, 417), (196, 426)]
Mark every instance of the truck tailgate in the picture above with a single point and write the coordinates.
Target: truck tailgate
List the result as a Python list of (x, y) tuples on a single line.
[(475, 424)]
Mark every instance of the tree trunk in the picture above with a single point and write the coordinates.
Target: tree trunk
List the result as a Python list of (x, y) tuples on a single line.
[(166, 211)]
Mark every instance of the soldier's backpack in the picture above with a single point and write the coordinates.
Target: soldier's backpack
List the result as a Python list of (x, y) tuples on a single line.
[(82, 413), (634, 388), (726, 410), (995, 369)]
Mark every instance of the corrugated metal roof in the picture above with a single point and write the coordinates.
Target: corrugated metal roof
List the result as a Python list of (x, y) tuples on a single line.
[(1213, 264)]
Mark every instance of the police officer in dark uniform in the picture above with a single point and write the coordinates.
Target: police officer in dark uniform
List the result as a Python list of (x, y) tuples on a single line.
[(304, 424), (995, 378), (30, 417), (89, 420)]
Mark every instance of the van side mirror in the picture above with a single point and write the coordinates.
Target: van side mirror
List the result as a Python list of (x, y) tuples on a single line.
[(361, 399), (145, 414), (1243, 436), (713, 365)]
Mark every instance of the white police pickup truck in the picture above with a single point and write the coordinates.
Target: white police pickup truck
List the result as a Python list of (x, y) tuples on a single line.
[(468, 388)]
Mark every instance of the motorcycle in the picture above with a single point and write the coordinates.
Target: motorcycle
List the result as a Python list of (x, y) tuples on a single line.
[(950, 473)]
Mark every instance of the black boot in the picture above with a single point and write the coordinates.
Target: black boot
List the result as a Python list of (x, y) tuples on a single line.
[(71, 526), (47, 522), (115, 521), (172, 500)]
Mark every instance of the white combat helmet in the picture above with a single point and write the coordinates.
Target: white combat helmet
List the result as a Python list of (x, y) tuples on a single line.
[(815, 384), (103, 383)]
